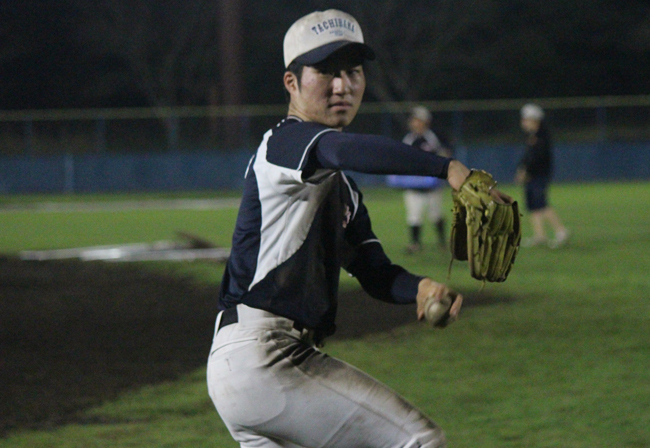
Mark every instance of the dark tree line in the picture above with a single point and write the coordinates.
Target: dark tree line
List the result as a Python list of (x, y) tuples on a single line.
[(109, 53)]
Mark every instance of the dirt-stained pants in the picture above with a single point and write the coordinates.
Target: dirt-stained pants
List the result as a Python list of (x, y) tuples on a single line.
[(273, 389)]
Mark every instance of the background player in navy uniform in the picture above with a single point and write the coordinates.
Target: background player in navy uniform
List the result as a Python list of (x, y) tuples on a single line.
[(534, 171), (422, 194), (300, 220)]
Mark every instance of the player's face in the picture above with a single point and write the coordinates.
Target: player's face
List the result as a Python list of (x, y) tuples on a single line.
[(418, 126), (329, 93), (529, 125)]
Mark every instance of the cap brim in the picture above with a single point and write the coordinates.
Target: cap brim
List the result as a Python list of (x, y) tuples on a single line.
[(323, 52)]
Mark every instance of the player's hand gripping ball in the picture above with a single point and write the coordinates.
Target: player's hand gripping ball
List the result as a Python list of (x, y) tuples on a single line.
[(436, 310), (435, 304)]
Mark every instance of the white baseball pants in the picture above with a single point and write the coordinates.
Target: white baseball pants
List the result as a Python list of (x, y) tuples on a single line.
[(417, 203), (273, 389)]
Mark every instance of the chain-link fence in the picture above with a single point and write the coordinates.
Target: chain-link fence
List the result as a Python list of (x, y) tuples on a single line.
[(591, 119)]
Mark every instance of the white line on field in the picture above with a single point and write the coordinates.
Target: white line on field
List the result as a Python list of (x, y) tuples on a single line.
[(104, 206)]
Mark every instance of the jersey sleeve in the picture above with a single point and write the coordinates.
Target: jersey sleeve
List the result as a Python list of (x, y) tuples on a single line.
[(374, 154), (366, 260), (289, 145)]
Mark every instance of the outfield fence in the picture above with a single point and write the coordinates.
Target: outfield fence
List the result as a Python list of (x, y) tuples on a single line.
[(207, 147)]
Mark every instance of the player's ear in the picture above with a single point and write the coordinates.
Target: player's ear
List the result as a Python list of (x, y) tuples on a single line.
[(291, 82)]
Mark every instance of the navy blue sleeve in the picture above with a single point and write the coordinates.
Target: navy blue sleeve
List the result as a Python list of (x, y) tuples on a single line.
[(374, 154), (382, 279), (367, 261), (291, 140)]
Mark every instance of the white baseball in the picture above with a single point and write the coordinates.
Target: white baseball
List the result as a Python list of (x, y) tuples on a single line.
[(436, 309)]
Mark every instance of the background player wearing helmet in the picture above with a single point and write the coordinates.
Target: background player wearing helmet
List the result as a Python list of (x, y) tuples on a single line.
[(534, 171), (422, 195), (301, 219)]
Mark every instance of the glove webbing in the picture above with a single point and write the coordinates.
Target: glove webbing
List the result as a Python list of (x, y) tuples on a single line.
[(493, 230)]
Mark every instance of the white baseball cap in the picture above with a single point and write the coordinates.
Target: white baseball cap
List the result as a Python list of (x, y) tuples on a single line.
[(532, 111), (314, 37), (421, 113)]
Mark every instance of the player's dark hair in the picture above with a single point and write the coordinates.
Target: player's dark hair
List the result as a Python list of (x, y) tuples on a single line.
[(350, 55), (295, 68)]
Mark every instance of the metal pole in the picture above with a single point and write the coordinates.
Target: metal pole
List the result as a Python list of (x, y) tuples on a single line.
[(172, 132), (601, 123), (457, 126), (100, 135), (246, 131), (29, 136), (68, 166), (457, 131)]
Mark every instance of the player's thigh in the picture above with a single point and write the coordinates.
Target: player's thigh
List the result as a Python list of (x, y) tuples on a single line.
[(280, 392), (244, 388), (434, 200), (332, 404), (415, 203), (260, 441)]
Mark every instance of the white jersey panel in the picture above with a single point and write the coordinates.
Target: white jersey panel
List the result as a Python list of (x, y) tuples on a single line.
[(288, 208), (432, 142)]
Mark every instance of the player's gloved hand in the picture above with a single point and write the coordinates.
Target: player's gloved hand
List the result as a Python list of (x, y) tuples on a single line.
[(437, 304), (486, 229), (456, 174)]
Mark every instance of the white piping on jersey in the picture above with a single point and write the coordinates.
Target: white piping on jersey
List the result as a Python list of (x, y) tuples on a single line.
[(288, 207), (248, 167), (373, 240), (354, 195), (317, 136), (265, 139)]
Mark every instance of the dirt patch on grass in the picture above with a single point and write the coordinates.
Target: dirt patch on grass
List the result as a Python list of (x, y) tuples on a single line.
[(74, 334)]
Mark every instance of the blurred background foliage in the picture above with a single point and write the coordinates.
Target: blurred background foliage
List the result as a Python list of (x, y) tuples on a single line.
[(122, 53)]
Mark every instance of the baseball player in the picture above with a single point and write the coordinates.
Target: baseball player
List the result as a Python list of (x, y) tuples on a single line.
[(300, 221), (534, 172), (422, 194)]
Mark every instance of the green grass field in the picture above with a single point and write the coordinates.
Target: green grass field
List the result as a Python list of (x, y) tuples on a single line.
[(563, 361)]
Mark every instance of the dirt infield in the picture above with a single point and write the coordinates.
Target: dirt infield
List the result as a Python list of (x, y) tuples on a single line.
[(74, 334)]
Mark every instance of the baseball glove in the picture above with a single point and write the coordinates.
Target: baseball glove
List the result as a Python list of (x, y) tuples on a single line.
[(484, 231)]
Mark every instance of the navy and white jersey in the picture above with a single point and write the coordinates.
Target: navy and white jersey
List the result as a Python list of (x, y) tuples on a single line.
[(538, 157), (428, 141), (301, 219)]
